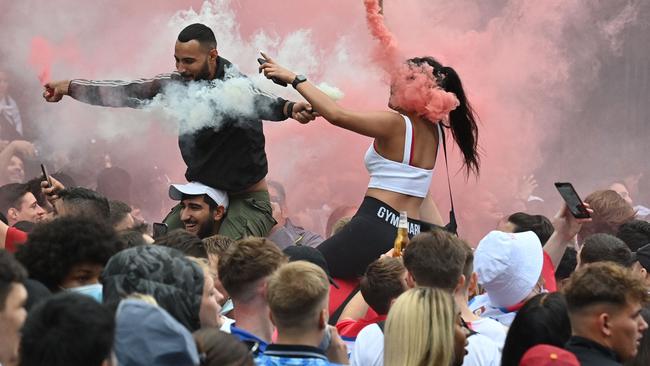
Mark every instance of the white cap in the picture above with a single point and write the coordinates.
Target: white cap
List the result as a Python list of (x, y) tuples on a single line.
[(176, 192), (508, 266)]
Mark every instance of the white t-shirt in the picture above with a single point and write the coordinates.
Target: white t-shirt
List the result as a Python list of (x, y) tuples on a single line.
[(369, 347), (481, 306), (491, 329), (482, 351)]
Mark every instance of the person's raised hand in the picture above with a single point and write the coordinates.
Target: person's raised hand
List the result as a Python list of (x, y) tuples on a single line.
[(271, 69), (51, 192), (525, 187), (303, 113), (568, 225), (55, 90)]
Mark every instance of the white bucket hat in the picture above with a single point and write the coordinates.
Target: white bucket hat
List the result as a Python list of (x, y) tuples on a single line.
[(508, 266), (176, 192)]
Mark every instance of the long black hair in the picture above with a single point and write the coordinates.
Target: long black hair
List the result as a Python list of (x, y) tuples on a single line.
[(544, 319), (462, 119)]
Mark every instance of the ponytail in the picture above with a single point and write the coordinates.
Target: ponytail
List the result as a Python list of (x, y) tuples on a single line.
[(462, 121)]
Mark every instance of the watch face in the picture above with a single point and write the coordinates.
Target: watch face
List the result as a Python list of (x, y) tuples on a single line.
[(299, 79)]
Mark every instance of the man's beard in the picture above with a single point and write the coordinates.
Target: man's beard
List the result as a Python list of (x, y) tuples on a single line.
[(204, 74), (207, 229)]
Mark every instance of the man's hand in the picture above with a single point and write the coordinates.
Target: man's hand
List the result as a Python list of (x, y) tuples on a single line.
[(303, 113), (337, 352), (55, 90), (51, 193)]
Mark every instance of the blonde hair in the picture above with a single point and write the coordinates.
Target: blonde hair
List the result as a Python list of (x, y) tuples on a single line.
[(420, 329), (296, 294)]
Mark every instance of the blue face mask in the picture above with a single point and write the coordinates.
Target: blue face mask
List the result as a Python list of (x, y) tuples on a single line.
[(94, 291)]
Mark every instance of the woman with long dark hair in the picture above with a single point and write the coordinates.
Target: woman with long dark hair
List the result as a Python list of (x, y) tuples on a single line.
[(401, 159), (544, 319)]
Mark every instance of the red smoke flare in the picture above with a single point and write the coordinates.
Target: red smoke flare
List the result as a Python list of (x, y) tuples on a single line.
[(40, 58), (414, 88)]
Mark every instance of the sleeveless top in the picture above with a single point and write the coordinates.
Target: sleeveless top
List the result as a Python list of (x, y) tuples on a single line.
[(400, 177)]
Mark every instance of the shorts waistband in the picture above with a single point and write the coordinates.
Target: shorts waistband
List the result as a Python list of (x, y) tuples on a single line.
[(383, 212)]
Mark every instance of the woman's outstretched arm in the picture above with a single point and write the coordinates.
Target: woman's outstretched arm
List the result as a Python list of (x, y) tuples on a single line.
[(372, 124)]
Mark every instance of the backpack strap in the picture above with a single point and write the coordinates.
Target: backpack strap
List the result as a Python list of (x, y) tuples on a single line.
[(337, 314)]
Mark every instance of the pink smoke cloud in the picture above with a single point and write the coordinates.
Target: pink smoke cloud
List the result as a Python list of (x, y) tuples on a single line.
[(520, 67)]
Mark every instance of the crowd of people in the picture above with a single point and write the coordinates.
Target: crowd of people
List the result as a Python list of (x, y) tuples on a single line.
[(228, 278)]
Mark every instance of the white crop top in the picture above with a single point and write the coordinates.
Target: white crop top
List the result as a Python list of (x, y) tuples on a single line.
[(400, 177)]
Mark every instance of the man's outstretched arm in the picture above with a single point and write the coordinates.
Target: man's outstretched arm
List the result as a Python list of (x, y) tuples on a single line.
[(272, 108), (107, 93)]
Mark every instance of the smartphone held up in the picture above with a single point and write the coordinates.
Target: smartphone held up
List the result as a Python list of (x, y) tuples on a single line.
[(573, 201)]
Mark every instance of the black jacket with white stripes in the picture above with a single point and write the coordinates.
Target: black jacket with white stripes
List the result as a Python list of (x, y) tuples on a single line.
[(230, 158)]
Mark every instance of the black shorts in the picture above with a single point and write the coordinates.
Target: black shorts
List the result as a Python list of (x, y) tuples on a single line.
[(369, 234)]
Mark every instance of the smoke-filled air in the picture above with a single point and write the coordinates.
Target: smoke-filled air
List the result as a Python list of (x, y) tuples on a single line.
[(560, 89)]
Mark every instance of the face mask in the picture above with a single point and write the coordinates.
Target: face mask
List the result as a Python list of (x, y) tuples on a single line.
[(94, 291)]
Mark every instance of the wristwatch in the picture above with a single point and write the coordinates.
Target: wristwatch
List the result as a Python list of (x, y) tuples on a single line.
[(299, 79)]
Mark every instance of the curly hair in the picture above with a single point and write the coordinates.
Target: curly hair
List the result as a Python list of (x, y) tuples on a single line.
[(53, 248), (67, 329)]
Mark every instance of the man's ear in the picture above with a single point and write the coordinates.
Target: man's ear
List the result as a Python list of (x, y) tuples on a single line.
[(12, 213), (271, 317), (461, 283), (604, 320), (263, 287), (214, 54), (323, 318), (410, 281), (218, 213)]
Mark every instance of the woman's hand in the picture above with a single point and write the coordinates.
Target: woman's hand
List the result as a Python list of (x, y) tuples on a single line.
[(272, 70)]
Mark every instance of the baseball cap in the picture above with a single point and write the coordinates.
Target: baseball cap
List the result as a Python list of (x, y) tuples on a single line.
[(508, 266), (176, 192), (309, 254), (642, 256), (547, 355)]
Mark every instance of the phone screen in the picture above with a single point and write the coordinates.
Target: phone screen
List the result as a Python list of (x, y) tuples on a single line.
[(572, 200)]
